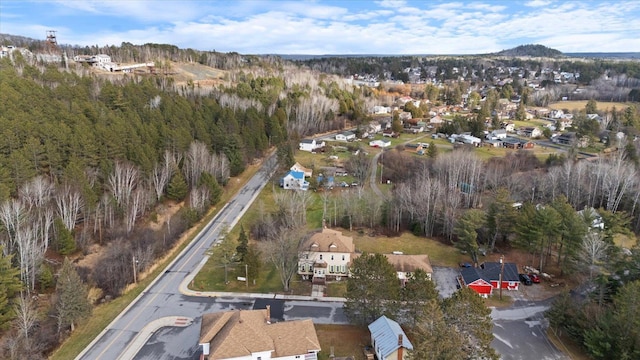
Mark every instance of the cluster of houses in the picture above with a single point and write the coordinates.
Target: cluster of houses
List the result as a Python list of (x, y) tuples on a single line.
[(254, 334)]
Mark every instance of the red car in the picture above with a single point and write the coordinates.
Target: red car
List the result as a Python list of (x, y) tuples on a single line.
[(535, 278)]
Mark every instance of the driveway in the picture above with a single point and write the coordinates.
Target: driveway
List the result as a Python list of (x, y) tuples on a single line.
[(445, 279)]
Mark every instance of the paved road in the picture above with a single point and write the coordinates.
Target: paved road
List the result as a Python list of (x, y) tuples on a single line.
[(162, 298), (520, 331)]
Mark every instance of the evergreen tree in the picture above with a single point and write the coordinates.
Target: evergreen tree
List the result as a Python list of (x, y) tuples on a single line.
[(372, 289), (243, 245), (10, 285), (177, 189), (72, 302), (396, 124), (252, 262), (433, 338), (466, 313), (417, 290), (432, 151), (501, 217), (466, 230), (65, 242)]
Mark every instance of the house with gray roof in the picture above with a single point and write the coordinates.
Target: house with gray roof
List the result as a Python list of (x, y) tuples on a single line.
[(389, 340)]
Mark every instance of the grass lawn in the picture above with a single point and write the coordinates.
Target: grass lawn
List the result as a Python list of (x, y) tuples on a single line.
[(439, 253), (103, 314), (346, 340), (336, 289), (212, 278)]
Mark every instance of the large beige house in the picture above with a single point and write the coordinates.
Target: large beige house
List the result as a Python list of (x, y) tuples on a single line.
[(325, 256), (250, 335)]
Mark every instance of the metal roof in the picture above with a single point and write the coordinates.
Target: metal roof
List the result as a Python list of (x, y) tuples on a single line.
[(385, 333)]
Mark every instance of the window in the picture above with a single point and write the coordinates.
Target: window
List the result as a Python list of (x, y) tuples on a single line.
[(320, 256), (342, 257), (331, 268), (331, 257)]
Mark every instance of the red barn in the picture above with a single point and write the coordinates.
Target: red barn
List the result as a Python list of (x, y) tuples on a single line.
[(486, 278)]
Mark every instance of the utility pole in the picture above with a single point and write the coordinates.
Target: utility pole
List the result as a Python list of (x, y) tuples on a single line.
[(501, 274), (246, 275)]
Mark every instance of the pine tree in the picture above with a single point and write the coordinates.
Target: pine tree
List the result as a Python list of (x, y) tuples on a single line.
[(418, 289), (466, 312), (177, 189), (252, 262), (65, 242), (372, 289), (72, 302), (466, 230), (432, 152), (433, 338), (9, 285), (243, 245)]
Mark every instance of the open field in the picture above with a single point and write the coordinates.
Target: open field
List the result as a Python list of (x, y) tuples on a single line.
[(580, 105), (346, 340)]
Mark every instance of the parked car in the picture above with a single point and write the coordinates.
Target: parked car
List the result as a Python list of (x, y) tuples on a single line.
[(525, 279), (465, 265), (535, 278)]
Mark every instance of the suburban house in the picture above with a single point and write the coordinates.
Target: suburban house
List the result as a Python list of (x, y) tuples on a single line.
[(381, 109), (515, 143), (436, 120), (389, 340), (346, 136), (509, 126), (529, 131), (382, 143), (250, 335), (310, 145), (297, 167), (406, 265), (325, 256), (374, 127), (389, 133), (416, 148), (497, 134), (486, 278), (294, 180), (568, 138)]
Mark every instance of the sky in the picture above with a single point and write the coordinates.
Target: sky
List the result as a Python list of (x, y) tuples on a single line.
[(319, 27)]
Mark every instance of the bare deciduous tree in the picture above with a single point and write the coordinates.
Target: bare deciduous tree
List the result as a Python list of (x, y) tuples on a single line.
[(69, 203), (282, 251), (593, 252)]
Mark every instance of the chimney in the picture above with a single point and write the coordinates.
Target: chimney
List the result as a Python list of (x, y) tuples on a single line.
[(268, 314), (400, 348)]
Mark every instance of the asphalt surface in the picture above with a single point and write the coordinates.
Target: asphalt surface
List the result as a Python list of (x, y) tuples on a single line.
[(162, 298)]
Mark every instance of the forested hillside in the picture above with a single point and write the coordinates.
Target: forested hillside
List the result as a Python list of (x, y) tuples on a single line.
[(87, 156)]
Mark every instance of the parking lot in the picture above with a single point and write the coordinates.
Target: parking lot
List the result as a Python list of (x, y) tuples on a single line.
[(445, 279)]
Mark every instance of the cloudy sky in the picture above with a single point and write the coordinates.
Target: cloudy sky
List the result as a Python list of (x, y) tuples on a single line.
[(334, 27)]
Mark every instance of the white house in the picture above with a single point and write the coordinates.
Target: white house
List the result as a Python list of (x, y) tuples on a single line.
[(530, 131), (346, 136), (102, 58), (382, 143), (325, 256), (294, 180), (406, 265), (436, 120), (297, 167), (374, 127), (389, 340), (310, 145), (381, 109), (497, 134), (469, 139), (251, 335)]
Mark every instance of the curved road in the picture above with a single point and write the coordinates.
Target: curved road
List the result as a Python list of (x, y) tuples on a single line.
[(162, 299)]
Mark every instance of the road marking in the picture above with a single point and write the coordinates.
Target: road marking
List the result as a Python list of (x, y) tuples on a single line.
[(153, 298)]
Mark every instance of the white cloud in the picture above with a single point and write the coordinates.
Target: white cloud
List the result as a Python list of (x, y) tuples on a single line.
[(538, 3)]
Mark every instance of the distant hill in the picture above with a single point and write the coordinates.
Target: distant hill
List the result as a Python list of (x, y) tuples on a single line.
[(533, 50)]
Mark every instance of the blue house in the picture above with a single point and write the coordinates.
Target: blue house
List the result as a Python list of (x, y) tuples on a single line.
[(388, 339), (294, 180)]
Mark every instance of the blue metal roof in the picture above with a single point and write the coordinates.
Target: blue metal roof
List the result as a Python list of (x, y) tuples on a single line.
[(385, 333), (296, 174)]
